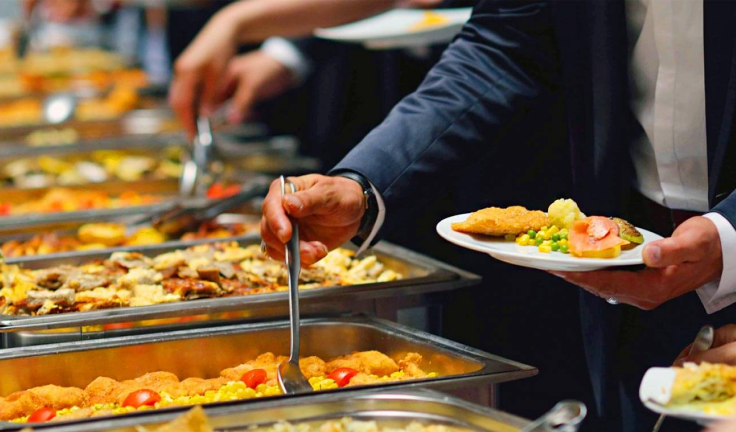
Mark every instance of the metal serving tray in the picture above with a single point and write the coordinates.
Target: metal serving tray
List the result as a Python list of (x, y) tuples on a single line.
[(204, 352), (168, 189), (387, 408), (422, 275)]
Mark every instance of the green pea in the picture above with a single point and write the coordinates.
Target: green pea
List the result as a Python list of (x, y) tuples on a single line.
[(555, 246), (564, 249), (555, 237), (532, 234), (538, 241), (563, 236)]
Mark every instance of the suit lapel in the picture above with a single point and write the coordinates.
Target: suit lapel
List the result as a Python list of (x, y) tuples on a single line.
[(720, 85)]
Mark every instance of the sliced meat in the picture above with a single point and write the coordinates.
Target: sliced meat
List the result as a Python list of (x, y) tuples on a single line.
[(52, 278), (86, 282), (131, 260), (211, 274), (61, 297), (192, 288)]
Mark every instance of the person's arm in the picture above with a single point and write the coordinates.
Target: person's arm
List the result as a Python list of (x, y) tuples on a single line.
[(722, 293), (498, 71), (197, 71)]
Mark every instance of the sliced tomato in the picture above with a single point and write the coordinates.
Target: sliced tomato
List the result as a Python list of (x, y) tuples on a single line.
[(254, 378), (141, 397), (5, 208), (342, 376), (42, 415), (595, 233)]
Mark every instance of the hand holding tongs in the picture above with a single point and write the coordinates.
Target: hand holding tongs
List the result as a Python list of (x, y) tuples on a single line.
[(290, 376)]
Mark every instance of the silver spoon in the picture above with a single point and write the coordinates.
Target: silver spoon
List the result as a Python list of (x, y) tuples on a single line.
[(702, 342), (291, 378), (566, 416)]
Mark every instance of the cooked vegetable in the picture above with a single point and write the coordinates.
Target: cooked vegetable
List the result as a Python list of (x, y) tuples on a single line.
[(342, 376), (141, 397), (254, 378), (563, 213), (628, 232), (42, 415)]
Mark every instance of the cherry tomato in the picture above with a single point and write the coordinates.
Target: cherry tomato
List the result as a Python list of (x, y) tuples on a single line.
[(5, 208), (141, 397), (42, 415), (342, 376), (219, 191), (254, 377)]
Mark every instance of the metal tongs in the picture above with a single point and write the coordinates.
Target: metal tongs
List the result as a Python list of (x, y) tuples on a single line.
[(566, 416), (290, 376), (188, 215)]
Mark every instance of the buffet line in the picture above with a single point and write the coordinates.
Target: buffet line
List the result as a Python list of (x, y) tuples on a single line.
[(131, 300)]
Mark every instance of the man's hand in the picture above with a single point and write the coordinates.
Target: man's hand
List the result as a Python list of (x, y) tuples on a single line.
[(328, 210), (724, 426), (251, 78), (722, 351), (677, 265), (199, 69)]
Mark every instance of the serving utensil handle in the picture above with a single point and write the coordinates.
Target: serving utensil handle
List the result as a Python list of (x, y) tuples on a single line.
[(293, 263)]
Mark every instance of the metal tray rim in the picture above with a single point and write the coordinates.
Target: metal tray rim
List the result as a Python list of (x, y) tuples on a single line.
[(438, 273)]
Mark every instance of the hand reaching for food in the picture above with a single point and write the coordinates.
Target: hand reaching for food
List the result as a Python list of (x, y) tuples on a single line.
[(723, 349)]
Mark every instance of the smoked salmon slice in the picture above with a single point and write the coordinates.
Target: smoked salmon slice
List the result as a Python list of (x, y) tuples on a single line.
[(594, 234)]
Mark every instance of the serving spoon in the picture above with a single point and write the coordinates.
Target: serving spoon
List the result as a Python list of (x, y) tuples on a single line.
[(290, 376)]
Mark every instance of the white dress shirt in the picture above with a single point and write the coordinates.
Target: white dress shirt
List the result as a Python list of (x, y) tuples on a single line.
[(667, 82)]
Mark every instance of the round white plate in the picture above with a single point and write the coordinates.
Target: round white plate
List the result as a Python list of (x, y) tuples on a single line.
[(695, 416), (529, 256), (391, 30)]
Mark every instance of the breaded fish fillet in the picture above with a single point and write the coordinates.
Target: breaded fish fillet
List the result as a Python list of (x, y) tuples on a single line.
[(494, 221)]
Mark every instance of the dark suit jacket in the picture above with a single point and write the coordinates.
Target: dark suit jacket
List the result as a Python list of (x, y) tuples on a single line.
[(510, 59), (511, 56)]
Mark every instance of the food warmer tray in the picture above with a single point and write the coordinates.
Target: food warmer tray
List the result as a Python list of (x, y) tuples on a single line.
[(423, 275), (390, 408), (144, 123), (79, 363), (167, 189)]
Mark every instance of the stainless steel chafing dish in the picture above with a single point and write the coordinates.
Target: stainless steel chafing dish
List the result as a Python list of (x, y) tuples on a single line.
[(389, 408), (422, 275), (204, 352)]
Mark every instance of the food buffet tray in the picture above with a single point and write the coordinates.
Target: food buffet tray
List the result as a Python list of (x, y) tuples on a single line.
[(385, 407), (422, 275), (79, 363), (167, 189)]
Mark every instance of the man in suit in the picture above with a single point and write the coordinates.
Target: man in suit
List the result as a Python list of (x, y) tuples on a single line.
[(650, 91)]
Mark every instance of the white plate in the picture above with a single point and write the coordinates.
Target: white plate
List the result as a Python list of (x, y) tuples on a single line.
[(391, 30), (654, 392), (529, 256)]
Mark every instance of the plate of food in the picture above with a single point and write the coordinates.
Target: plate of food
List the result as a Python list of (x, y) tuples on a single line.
[(700, 393), (561, 239), (401, 28)]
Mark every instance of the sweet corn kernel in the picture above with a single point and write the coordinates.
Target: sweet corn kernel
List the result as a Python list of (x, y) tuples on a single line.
[(531, 242), (545, 248), (524, 239)]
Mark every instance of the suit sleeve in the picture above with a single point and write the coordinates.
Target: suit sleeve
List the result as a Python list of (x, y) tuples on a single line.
[(496, 72), (727, 208)]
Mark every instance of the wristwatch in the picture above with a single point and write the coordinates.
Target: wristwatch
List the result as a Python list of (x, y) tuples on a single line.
[(369, 201)]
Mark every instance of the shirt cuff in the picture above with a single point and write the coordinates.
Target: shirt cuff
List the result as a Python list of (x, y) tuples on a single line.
[(718, 294), (286, 53), (377, 225)]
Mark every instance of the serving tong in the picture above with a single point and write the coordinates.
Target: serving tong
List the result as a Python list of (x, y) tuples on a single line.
[(189, 214), (290, 376)]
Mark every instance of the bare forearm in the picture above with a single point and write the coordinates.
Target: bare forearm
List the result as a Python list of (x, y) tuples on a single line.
[(256, 20)]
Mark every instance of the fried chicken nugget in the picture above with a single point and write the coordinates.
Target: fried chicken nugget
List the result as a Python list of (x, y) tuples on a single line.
[(369, 362), (198, 386), (23, 403), (312, 366), (104, 390), (494, 221), (268, 362), (410, 365)]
